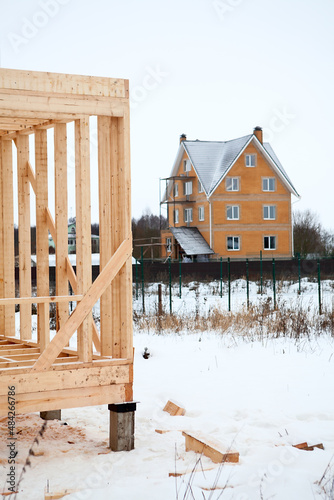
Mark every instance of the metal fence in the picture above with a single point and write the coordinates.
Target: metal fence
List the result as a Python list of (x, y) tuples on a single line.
[(175, 274)]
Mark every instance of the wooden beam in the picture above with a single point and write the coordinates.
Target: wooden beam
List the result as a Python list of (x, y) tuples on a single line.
[(61, 227), (51, 226), (42, 237), (22, 144), (82, 310), (59, 380), (57, 83), (25, 350), (48, 299), (56, 107), (83, 231), (32, 177), (67, 398), (73, 281), (27, 363)]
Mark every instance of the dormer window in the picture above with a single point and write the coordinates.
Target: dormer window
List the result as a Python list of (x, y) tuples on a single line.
[(250, 160), (186, 166)]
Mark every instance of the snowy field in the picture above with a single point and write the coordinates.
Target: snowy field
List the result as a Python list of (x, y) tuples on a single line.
[(256, 395)]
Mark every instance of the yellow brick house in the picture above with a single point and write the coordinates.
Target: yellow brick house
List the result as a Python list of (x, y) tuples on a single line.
[(228, 199)]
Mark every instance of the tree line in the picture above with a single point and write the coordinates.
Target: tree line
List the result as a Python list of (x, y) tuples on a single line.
[(309, 236)]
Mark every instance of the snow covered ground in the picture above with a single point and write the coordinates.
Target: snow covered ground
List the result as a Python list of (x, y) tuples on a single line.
[(256, 396)]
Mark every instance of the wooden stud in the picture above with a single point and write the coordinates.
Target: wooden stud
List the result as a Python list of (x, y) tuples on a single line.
[(61, 229), (116, 238), (22, 144), (83, 231), (125, 208), (42, 237), (105, 228), (8, 234), (2, 260)]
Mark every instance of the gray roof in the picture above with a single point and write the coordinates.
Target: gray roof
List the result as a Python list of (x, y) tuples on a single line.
[(213, 159), (191, 240)]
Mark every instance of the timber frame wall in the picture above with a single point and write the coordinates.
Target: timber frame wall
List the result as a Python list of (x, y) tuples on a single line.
[(47, 374)]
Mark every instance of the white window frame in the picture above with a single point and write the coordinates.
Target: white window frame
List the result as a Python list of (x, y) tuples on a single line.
[(168, 244), (186, 165), (235, 239), (270, 239), (176, 216), (249, 160), (266, 180), (188, 188), (188, 215), (176, 190), (269, 209), (235, 210), (235, 184), (200, 187), (201, 214)]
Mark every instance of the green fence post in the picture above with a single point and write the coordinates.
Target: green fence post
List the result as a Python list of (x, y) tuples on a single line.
[(229, 282), (247, 281), (221, 277), (274, 283), (319, 286), (180, 275), (142, 278), (170, 284), (299, 280), (136, 279), (261, 273)]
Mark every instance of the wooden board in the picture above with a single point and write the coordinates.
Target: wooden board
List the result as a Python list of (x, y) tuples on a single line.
[(173, 409), (199, 444)]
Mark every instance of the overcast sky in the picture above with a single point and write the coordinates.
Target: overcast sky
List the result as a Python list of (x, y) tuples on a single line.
[(212, 69)]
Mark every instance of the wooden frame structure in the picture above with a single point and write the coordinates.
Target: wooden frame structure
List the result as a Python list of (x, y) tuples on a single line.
[(47, 374)]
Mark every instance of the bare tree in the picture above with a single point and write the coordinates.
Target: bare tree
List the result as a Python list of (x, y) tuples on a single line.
[(309, 236)]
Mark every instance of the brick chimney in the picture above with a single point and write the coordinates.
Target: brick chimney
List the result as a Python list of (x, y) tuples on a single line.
[(258, 133), (183, 137)]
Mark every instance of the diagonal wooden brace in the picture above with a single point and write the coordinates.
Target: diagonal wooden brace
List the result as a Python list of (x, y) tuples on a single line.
[(84, 307)]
